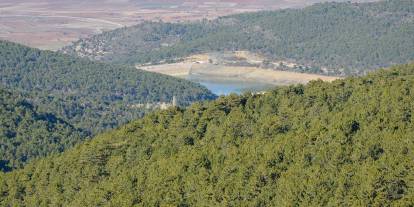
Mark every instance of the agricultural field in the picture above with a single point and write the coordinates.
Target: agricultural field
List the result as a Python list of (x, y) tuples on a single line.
[(51, 24), (47, 24)]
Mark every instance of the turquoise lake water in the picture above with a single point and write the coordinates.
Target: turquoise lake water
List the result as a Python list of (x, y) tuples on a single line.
[(228, 87)]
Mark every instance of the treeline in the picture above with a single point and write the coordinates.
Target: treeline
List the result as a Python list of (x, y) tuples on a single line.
[(338, 38), (345, 143), (81, 95)]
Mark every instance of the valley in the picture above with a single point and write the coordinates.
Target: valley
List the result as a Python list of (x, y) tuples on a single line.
[(322, 39), (237, 71), (206, 103)]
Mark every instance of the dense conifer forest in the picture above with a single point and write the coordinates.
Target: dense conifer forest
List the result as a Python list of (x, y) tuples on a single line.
[(81, 127), (93, 96), (331, 38), (27, 133), (50, 101), (345, 143)]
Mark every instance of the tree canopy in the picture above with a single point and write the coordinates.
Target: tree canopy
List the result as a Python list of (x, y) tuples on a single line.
[(92, 96), (345, 143), (27, 133), (50, 101)]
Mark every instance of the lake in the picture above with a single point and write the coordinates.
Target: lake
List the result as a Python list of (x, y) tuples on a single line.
[(227, 87)]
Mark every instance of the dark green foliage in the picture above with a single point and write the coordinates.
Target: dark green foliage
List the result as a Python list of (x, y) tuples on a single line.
[(87, 97), (92, 96), (26, 133), (346, 143), (347, 38)]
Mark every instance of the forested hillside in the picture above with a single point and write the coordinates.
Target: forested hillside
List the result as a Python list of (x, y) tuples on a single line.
[(91, 96), (338, 38), (346, 143), (52, 101), (26, 133)]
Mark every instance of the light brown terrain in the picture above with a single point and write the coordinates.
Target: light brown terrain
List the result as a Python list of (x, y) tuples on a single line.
[(208, 67), (51, 24)]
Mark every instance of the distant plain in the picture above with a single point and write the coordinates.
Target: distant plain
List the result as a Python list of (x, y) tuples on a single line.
[(52, 24)]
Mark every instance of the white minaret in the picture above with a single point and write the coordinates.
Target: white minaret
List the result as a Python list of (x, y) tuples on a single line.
[(174, 101)]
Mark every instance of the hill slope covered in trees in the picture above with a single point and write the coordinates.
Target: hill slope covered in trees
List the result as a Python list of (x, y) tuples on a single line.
[(345, 38), (26, 133), (50, 101), (345, 143), (92, 96)]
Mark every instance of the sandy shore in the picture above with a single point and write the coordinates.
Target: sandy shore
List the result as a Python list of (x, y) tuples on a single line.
[(223, 73), (176, 69)]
